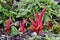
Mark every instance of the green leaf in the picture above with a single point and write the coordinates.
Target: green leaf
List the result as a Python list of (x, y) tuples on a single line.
[(14, 31), (37, 0)]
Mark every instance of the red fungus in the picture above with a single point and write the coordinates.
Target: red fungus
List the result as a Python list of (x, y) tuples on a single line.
[(8, 23), (22, 29), (40, 19), (38, 24)]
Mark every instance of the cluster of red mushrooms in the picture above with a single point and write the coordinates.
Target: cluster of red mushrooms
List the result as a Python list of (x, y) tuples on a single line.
[(37, 25)]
